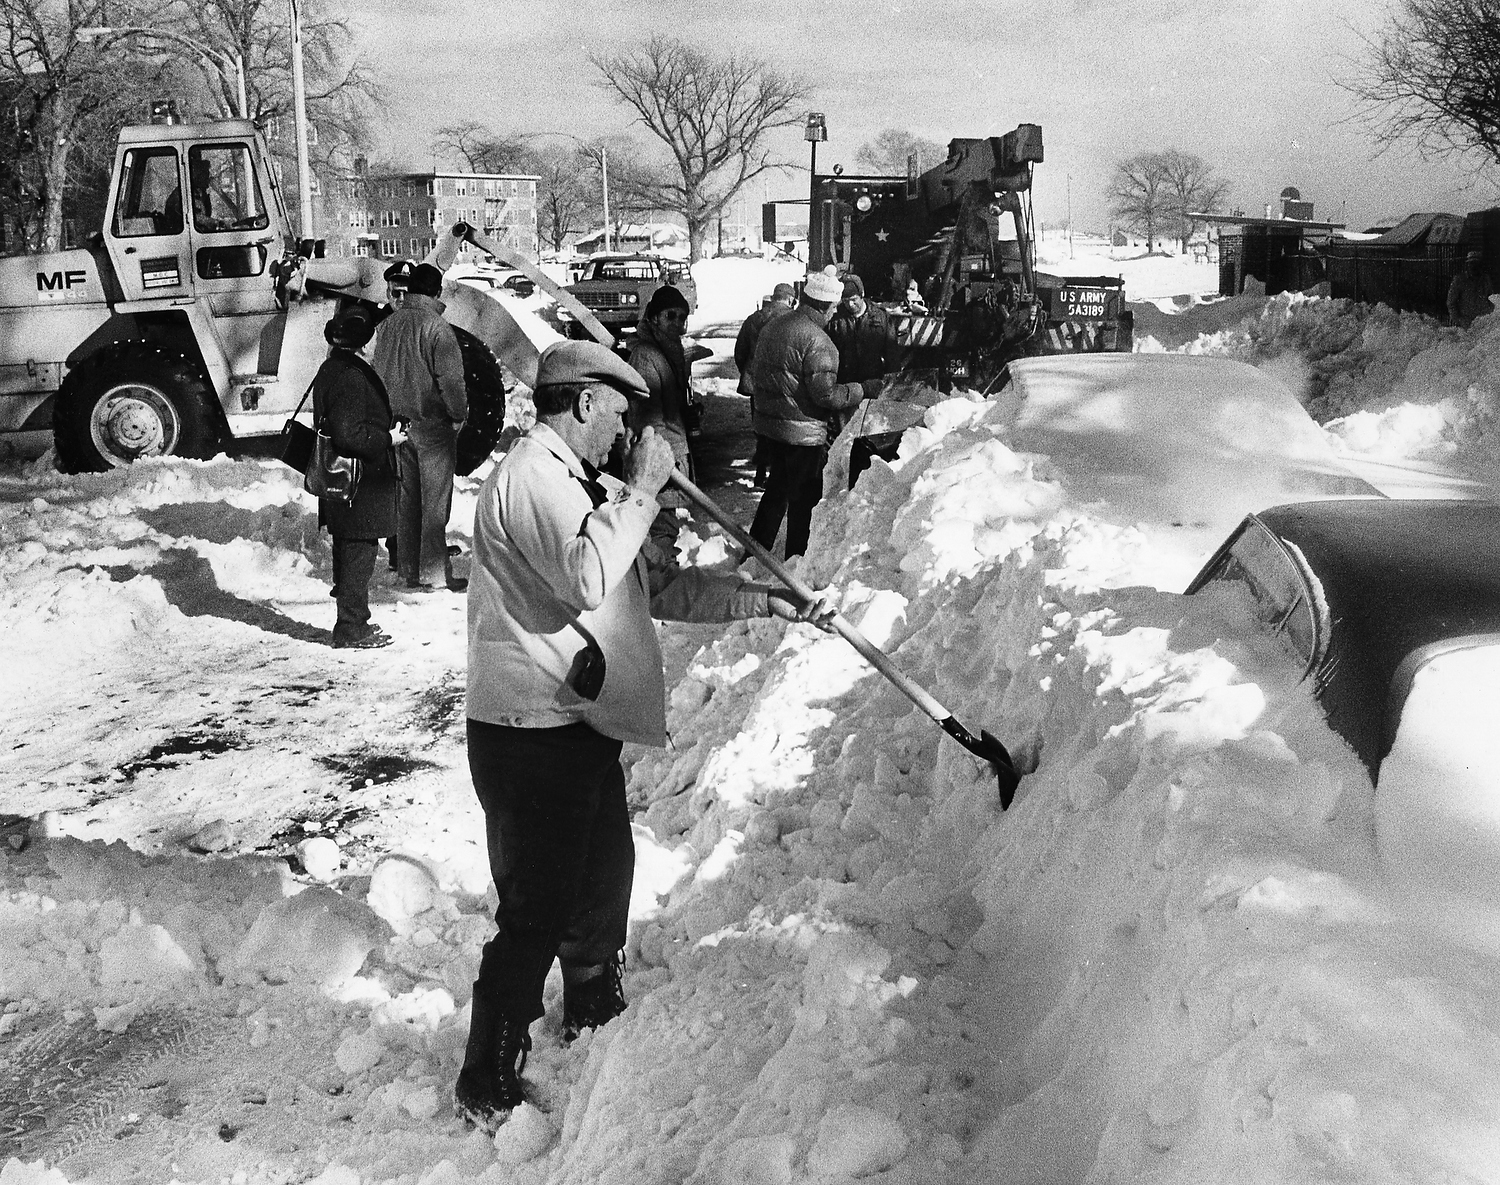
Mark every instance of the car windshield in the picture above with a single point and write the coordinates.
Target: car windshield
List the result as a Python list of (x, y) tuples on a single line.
[(1284, 604), (624, 269)]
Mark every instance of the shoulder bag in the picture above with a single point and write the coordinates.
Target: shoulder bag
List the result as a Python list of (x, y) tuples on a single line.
[(297, 439)]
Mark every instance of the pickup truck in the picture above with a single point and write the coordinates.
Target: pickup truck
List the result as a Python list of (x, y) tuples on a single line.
[(616, 289)]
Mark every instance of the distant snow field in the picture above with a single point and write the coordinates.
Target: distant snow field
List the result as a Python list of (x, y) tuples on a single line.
[(243, 887)]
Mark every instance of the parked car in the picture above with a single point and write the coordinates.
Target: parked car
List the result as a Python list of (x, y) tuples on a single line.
[(1391, 607), (520, 284), (616, 288)]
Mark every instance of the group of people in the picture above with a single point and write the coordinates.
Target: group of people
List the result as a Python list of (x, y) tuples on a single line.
[(806, 364), (400, 414), (571, 565)]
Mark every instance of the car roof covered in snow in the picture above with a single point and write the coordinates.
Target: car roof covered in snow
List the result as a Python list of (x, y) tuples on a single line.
[(1182, 445), (1397, 575)]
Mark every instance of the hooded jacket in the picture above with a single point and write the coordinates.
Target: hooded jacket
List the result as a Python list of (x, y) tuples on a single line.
[(795, 374)]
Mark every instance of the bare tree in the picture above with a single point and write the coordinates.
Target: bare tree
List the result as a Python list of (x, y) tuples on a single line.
[(61, 89), (481, 149), (1191, 189), (714, 114), (887, 153), (566, 196), (1428, 75), (636, 184), (1139, 195)]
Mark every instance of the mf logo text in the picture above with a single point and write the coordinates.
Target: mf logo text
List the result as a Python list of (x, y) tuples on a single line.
[(55, 281)]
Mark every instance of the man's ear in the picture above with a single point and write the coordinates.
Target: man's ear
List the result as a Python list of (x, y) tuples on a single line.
[(583, 405)]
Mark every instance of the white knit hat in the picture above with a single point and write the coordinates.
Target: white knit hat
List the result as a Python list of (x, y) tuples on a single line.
[(819, 286)]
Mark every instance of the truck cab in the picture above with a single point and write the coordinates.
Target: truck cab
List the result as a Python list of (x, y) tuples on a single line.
[(616, 289)]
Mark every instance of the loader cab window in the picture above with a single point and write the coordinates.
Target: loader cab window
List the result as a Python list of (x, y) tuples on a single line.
[(226, 196), (150, 197)]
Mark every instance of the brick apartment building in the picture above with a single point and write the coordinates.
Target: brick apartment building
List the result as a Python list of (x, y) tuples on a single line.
[(401, 215)]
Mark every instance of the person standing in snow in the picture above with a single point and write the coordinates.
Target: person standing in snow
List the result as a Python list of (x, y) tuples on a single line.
[(350, 404), (1469, 294), (657, 356), (795, 372), (564, 667), (783, 297), (864, 338), (418, 358)]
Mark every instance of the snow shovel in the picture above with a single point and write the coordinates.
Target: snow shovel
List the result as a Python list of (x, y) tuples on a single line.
[(985, 747)]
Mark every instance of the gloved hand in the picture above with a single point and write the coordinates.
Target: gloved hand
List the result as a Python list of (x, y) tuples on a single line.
[(820, 611), (873, 388)]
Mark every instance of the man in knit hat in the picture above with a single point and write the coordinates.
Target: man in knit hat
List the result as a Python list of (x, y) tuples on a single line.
[(418, 359), (863, 334), (797, 392), (564, 668)]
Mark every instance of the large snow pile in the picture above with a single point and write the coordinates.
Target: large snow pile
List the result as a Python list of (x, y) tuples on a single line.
[(1175, 958), (1387, 384)]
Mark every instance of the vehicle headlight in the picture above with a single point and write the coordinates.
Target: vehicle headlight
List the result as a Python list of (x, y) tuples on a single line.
[(632, 298)]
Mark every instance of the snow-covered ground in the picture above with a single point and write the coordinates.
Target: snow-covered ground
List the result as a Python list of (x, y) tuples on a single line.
[(243, 890)]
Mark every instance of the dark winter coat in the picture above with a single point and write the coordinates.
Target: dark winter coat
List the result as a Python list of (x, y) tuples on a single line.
[(350, 404), (866, 345), (660, 360), (744, 344), (795, 372)]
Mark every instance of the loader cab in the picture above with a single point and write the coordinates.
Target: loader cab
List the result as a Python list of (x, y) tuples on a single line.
[(196, 213)]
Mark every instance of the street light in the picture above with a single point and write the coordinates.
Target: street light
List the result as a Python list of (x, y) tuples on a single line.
[(218, 56)]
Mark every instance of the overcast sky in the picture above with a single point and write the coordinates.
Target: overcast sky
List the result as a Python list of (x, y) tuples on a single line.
[(1250, 86)]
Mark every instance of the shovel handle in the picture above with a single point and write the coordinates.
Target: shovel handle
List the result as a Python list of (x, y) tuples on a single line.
[(867, 649)]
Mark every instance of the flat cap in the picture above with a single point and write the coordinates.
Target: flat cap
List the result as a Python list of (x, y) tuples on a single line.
[(588, 362), (783, 291)]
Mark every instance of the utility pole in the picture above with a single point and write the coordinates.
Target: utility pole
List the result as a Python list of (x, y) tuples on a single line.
[(299, 109), (1069, 177), (604, 179)]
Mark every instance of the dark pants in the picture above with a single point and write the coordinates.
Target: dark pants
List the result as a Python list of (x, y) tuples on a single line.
[(424, 502), (561, 854), (794, 486), (353, 565)]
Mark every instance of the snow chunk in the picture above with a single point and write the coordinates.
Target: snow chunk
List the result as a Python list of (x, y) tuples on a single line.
[(855, 1142), (358, 1052), (318, 936), (321, 857), (143, 955), (524, 1136), (401, 887)]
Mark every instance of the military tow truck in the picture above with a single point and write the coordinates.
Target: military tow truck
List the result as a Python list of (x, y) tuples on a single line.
[(928, 247), (194, 317)]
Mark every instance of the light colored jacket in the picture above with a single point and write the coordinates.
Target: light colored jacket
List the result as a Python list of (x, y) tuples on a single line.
[(418, 359), (795, 377), (546, 557)]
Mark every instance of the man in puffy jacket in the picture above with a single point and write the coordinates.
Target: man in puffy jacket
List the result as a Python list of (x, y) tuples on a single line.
[(783, 297), (564, 667), (797, 392), (418, 359)]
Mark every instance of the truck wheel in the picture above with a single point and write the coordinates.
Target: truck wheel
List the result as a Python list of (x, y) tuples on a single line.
[(132, 400), (486, 388)]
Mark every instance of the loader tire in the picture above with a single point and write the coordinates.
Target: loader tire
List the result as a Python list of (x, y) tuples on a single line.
[(133, 400), (486, 386)]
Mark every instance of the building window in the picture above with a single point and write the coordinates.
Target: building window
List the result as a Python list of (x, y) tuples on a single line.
[(432, 189), (389, 248), (531, 185), (460, 188), (411, 189), (514, 188), (411, 218), (360, 248), (434, 218), (489, 189)]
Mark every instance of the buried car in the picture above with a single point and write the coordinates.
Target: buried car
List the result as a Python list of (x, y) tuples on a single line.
[(1392, 609)]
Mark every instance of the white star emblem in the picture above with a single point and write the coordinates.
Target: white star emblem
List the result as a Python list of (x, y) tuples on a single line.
[(882, 234)]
